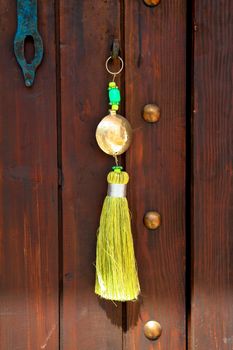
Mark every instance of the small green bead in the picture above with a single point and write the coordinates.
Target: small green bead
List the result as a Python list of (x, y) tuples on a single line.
[(117, 168), (112, 84), (115, 107)]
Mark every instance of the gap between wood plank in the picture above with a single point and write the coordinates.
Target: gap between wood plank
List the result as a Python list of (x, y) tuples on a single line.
[(59, 168), (189, 163)]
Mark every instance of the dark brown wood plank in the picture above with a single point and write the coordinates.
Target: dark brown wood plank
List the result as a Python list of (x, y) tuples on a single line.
[(212, 259), (155, 51), (87, 29), (28, 193)]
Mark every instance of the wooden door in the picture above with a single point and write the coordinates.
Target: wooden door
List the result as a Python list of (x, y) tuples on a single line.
[(178, 55)]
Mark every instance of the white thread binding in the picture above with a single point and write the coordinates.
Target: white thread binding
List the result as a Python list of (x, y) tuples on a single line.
[(117, 190)]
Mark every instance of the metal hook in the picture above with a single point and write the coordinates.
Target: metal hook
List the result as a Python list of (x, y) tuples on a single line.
[(115, 52)]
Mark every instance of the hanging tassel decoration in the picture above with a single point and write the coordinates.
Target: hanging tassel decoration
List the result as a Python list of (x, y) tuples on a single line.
[(116, 270)]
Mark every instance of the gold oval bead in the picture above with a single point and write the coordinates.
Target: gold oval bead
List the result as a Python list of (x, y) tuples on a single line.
[(114, 134)]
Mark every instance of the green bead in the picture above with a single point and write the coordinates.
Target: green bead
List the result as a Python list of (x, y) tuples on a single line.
[(117, 168), (112, 84), (115, 107), (114, 95)]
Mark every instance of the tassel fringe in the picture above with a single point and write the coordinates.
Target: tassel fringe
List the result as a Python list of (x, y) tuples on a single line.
[(116, 271)]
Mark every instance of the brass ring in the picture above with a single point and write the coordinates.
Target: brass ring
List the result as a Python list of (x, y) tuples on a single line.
[(121, 68)]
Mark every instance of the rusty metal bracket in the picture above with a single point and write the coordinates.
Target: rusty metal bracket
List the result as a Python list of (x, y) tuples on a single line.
[(27, 27)]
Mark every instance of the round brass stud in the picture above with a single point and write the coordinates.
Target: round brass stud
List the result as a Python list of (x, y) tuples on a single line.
[(151, 2), (152, 220), (151, 113), (152, 330)]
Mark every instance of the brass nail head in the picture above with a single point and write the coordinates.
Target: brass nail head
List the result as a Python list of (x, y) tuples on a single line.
[(151, 2), (152, 220), (151, 113), (152, 330)]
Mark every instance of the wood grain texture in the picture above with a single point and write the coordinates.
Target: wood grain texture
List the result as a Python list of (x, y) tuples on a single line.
[(28, 193), (155, 51), (212, 278), (87, 30)]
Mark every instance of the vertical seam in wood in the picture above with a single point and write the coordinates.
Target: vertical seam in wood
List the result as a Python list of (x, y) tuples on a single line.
[(59, 166), (189, 164)]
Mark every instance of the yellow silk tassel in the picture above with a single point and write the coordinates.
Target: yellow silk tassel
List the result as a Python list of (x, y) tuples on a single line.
[(116, 270)]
